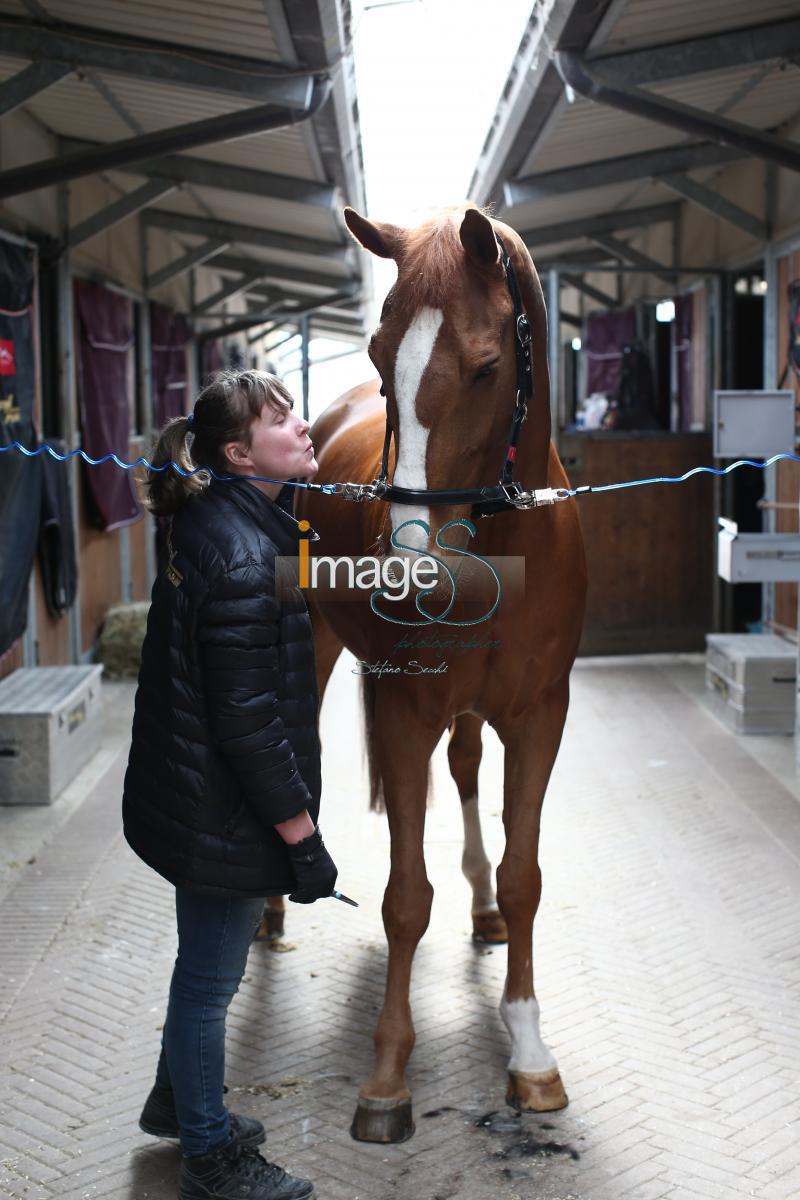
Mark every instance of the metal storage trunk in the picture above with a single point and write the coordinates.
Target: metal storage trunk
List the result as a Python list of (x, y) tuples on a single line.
[(50, 727), (752, 677)]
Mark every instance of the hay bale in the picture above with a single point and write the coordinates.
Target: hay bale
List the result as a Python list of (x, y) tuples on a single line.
[(121, 639)]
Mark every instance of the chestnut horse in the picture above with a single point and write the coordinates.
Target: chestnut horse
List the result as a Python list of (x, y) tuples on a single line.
[(447, 355)]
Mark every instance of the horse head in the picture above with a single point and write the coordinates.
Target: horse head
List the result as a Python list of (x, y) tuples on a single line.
[(445, 352)]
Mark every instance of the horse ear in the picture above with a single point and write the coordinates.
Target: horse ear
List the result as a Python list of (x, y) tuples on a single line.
[(477, 238), (376, 236)]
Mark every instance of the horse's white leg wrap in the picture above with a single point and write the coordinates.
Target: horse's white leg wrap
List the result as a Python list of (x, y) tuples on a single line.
[(474, 862), (528, 1051)]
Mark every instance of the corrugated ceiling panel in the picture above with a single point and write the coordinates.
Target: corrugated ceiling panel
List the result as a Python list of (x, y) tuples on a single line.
[(283, 152), (302, 262), (74, 108), (305, 220), (585, 131), (584, 204), (234, 27), (338, 271), (652, 22)]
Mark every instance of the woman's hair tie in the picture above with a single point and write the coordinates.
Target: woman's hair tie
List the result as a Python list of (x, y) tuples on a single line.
[(190, 420)]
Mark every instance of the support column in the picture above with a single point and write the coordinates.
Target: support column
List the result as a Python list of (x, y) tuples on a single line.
[(30, 653), (304, 335), (145, 367), (768, 516), (68, 403), (554, 351)]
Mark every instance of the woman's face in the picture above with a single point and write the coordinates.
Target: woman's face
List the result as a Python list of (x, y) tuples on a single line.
[(280, 447)]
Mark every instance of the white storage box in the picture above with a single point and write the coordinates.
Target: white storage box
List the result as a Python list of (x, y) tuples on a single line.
[(752, 678), (50, 727)]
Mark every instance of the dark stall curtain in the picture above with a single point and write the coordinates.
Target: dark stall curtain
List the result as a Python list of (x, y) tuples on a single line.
[(170, 335), (20, 477), (682, 344), (105, 339), (605, 335), (212, 359)]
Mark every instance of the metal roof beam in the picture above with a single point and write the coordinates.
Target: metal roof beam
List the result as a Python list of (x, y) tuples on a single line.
[(228, 177), (119, 211), (715, 52), (276, 271), (593, 293), (600, 223), (247, 322), (252, 235), (131, 150), (236, 288), (717, 205), (651, 164), (617, 268), (192, 258), (615, 246), (695, 121), (28, 83), (77, 46)]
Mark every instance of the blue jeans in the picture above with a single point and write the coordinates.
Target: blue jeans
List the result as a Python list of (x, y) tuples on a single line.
[(214, 936)]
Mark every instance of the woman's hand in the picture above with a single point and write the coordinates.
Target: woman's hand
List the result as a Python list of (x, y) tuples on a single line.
[(314, 869)]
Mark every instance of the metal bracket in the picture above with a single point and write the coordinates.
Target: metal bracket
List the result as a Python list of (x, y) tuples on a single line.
[(534, 499), (361, 491)]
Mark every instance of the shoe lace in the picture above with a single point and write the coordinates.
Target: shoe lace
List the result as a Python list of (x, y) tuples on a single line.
[(253, 1166)]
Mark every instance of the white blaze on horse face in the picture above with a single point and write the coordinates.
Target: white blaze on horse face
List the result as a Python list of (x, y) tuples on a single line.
[(474, 862), (413, 355), (528, 1051)]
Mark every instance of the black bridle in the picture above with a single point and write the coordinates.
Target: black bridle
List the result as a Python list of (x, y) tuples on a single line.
[(485, 501)]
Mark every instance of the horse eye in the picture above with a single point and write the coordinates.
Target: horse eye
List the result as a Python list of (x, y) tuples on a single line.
[(485, 370)]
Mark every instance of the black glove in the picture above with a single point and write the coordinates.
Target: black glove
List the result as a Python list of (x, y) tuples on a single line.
[(314, 869)]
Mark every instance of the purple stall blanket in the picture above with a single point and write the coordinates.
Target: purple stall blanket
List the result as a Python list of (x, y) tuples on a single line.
[(170, 335), (104, 393), (20, 477), (212, 359), (605, 334)]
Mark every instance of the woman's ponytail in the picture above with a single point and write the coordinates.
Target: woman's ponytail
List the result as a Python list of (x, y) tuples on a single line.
[(167, 491)]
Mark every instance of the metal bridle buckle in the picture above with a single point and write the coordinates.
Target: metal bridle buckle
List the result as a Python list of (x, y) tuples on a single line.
[(362, 491), (523, 331), (516, 496)]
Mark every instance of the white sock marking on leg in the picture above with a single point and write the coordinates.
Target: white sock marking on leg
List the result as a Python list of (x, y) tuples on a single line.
[(474, 862), (528, 1051)]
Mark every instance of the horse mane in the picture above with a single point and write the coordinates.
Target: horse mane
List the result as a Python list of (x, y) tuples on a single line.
[(431, 260)]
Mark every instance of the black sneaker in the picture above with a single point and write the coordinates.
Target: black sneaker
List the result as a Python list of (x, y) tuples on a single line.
[(158, 1118), (235, 1171)]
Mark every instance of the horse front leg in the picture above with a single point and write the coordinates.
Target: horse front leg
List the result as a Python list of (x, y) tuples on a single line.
[(383, 1113), (531, 745), (464, 756)]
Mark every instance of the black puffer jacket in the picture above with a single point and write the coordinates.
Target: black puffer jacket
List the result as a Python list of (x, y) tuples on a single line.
[(225, 741)]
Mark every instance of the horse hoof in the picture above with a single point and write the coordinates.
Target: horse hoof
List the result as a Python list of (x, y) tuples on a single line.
[(271, 927), (382, 1121), (489, 928), (539, 1091)]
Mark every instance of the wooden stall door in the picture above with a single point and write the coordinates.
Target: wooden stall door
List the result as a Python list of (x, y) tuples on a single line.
[(788, 478), (649, 550)]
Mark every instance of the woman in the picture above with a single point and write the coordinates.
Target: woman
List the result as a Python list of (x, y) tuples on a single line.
[(222, 789)]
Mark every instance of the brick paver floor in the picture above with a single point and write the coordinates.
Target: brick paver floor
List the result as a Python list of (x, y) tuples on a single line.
[(667, 969)]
